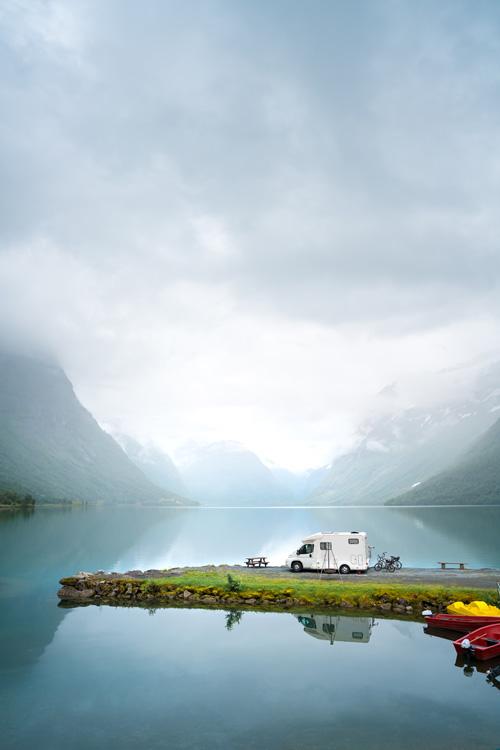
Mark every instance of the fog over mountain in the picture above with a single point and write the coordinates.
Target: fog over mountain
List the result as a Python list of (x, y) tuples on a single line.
[(473, 479), (154, 463), (226, 473), (240, 221), (403, 444)]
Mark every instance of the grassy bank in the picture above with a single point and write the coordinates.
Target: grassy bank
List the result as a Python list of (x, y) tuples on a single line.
[(256, 592)]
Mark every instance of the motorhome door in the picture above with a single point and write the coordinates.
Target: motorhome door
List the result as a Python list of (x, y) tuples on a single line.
[(356, 558), (305, 555)]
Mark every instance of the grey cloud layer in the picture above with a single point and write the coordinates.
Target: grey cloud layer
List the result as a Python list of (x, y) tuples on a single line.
[(335, 161)]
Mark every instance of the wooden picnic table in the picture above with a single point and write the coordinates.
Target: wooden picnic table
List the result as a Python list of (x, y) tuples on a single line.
[(461, 565), (256, 562)]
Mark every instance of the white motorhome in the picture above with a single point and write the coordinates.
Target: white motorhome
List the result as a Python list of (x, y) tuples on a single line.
[(339, 551)]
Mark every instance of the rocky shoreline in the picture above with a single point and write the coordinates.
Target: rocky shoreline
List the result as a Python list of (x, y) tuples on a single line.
[(211, 586)]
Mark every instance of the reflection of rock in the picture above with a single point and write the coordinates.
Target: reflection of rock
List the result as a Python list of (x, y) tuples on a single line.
[(68, 592), (337, 628)]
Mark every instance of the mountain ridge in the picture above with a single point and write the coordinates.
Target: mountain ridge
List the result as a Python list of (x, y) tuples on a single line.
[(473, 480), (154, 463), (401, 447), (53, 448)]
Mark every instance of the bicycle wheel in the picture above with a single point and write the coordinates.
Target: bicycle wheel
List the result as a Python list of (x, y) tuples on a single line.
[(377, 566), (390, 567)]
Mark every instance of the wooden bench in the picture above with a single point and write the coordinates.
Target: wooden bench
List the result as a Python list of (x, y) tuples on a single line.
[(256, 562), (461, 565)]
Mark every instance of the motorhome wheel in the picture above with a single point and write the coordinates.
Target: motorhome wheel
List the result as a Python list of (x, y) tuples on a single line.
[(297, 566), (344, 569)]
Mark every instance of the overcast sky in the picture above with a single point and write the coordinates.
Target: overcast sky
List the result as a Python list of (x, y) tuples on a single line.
[(240, 220)]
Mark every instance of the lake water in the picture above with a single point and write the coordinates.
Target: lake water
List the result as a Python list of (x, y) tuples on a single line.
[(92, 677)]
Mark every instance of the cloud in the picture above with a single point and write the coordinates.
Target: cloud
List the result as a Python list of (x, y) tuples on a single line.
[(253, 202)]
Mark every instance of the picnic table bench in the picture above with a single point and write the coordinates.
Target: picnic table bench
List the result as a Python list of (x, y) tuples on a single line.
[(461, 565), (256, 562)]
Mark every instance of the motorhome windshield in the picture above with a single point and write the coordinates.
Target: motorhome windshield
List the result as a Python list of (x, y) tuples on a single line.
[(306, 549)]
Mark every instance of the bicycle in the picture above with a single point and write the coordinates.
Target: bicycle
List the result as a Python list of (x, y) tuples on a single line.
[(384, 563), (396, 561)]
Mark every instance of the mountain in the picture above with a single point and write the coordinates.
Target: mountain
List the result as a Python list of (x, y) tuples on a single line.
[(402, 446), (225, 473), (156, 465), (473, 480), (52, 447), (302, 484)]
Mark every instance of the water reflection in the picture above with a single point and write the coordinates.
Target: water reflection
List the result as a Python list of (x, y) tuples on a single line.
[(465, 661), (184, 679), (233, 617), (470, 668), (337, 628), (37, 548)]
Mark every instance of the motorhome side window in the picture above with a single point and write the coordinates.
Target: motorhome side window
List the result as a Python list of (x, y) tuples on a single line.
[(325, 545), (353, 541), (306, 549)]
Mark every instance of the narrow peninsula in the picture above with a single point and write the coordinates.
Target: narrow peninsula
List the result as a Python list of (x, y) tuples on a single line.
[(406, 593)]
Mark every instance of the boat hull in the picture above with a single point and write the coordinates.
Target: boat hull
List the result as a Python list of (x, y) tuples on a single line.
[(484, 642), (460, 623)]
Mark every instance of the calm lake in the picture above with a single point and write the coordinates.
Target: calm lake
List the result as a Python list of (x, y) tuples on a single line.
[(92, 677)]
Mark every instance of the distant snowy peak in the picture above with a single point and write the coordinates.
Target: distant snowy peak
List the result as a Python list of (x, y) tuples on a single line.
[(406, 426)]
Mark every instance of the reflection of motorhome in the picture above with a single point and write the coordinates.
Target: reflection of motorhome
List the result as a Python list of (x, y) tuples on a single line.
[(336, 628), (341, 551)]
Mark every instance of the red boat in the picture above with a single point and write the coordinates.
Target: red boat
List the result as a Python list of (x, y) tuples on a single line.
[(460, 623), (483, 643)]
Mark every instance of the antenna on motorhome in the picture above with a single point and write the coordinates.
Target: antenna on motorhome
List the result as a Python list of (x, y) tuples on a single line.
[(329, 553), (325, 565)]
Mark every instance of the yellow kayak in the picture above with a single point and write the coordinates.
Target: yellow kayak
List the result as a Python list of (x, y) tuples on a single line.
[(474, 609)]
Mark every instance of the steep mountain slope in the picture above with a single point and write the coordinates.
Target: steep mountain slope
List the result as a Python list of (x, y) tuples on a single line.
[(228, 474), (156, 465), (473, 480), (402, 447), (53, 448)]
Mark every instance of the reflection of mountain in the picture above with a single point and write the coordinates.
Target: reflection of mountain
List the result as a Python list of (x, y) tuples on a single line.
[(336, 628), (423, 535), (53, 448), (466, 529), (402, 447), (37, 550)]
